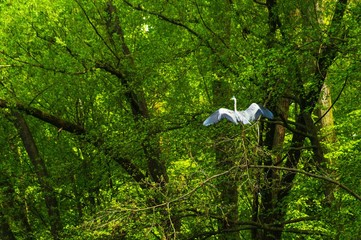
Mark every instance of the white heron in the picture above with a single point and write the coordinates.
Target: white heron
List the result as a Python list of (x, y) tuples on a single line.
[(252, 113)]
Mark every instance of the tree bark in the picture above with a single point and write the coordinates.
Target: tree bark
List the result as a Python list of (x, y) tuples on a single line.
[(305, 127), (325, 115), (328, 134), (41, 173), (126, 75), (268, 184)]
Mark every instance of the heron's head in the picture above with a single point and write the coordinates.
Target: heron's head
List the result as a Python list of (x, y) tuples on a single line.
[(233, 98)]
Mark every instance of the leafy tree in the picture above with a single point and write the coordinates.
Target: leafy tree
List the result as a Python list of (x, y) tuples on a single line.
[(102, 104)]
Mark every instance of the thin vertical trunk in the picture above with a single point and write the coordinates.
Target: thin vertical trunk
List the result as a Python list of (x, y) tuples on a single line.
[(268, 180), (327, 55), (227, 185), (12, 208), (77, 196), (41, 173)]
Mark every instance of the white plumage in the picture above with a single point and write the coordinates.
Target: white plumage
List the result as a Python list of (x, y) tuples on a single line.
[(252, 113)]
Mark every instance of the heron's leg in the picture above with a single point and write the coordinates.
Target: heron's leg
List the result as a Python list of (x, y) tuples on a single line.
[(258, 136), (243, 133)]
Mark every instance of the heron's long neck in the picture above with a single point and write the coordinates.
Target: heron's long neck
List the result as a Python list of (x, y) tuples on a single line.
[(235, 104)]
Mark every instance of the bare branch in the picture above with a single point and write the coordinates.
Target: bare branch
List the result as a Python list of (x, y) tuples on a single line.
[(96, 30), (190, 30), (37, 65), (259, 226), (327, 179), (338, 96), (181, 197), (244, 166)]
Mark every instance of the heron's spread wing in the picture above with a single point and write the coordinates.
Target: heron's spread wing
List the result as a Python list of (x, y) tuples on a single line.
[(254, 111), (267, 113), (219, 115), (241, 117)]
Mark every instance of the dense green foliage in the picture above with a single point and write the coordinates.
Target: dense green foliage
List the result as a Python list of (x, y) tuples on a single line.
[(102, 104)]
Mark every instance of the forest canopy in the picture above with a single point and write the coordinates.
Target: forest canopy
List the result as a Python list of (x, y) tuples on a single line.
[(102, 105)]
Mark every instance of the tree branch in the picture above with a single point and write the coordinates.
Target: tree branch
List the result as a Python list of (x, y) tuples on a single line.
[(180, 24), (167, 19), (236, 168), (68, 126), (338, 96), (41, 171), (327, 179), (37, 65), (51, 119), (258, 226), (96, 30), (328, 52)]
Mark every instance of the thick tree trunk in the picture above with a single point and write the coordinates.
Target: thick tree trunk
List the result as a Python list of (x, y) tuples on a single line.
[(305, 128), (269, 184), (328, 133), (126, 75), (325, 114), (41, 173)]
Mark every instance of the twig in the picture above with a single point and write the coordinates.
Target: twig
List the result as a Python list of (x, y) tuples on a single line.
[(96, 30), (244, 166), (190, 30), (182, 197), (358, 197)]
